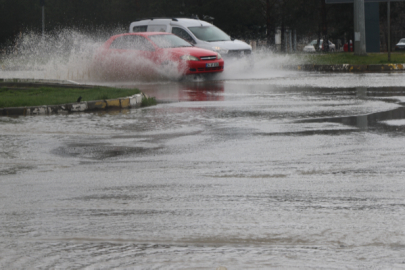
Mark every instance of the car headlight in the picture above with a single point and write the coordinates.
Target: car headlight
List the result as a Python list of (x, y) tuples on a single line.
[(218, 49), (189, 58), (219, 56)]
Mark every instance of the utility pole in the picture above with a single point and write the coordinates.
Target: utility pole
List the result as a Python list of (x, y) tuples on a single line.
[(359, 28), (42, 4), (359, 24)]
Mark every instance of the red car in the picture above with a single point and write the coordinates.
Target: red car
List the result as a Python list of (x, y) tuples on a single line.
[(133, 54)]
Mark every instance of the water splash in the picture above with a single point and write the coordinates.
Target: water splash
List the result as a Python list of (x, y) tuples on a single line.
[(265, 64), (68, 54)]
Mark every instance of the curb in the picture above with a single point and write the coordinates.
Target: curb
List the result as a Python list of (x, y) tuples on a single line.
[(349, 68), (120, 103), (85, 106)]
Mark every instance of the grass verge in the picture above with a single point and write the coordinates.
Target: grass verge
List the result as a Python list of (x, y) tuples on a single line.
[(150, 101), (349, 58), (19, 97)]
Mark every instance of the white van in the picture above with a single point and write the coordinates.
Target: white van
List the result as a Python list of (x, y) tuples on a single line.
[(199, 33)]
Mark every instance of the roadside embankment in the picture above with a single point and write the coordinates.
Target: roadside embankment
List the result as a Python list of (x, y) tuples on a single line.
[(348, 68), (24, 86), (349, 62)]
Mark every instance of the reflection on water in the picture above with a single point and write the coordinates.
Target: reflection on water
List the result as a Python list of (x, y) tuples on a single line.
[(373, 121), (215, 90), (209, 90)]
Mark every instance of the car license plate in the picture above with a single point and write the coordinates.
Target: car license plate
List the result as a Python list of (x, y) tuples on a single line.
[(208, 65)]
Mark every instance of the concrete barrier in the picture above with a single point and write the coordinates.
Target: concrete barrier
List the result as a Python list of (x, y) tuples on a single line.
[(96, 105), (57, 109), (139, 98), (386, 67), (136, 100), (357, 68), (132, 102), (113, 103), (38, 110), (119, 103), (14, 111), (125, 103), (79, 107)]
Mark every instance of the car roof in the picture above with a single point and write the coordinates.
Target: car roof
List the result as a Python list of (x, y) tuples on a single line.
[(191, 22), (145, 34), (187, 22)]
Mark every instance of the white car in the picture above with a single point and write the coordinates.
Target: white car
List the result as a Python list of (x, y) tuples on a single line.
[(311, 46), (400, 46), (199, 33)]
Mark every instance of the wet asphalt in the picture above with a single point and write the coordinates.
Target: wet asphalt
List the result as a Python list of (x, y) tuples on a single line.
[(289, 171)]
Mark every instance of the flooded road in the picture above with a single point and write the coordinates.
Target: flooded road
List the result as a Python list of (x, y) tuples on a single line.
[(291, 171)]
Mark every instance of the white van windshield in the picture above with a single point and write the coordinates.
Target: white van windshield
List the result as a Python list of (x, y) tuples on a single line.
[(209, 33)]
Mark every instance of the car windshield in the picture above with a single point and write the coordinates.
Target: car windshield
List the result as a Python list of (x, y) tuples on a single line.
[(169, 41), (402, 40), (209, 33)]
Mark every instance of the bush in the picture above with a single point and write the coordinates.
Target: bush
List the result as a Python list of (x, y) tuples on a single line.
[(148, 101)]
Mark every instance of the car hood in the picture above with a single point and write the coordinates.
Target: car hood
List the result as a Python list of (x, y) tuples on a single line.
[(231, 45), (195, 51), (401, 43)]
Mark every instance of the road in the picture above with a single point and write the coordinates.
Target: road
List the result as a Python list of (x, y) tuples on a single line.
[(288, 170)]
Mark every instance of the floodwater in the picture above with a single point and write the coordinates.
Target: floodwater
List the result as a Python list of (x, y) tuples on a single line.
[(289, 170)]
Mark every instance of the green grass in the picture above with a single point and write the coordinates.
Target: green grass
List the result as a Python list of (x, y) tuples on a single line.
[(150, 101), (350, 58), (18, 97)]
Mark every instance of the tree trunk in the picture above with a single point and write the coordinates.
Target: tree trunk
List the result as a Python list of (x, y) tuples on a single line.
[(324, 27), (269, 26), (282, 49)]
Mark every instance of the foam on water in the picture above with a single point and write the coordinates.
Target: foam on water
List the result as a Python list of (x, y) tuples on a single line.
[(400, 122)]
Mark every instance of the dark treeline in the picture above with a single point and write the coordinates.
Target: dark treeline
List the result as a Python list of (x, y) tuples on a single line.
[(245, 19)]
